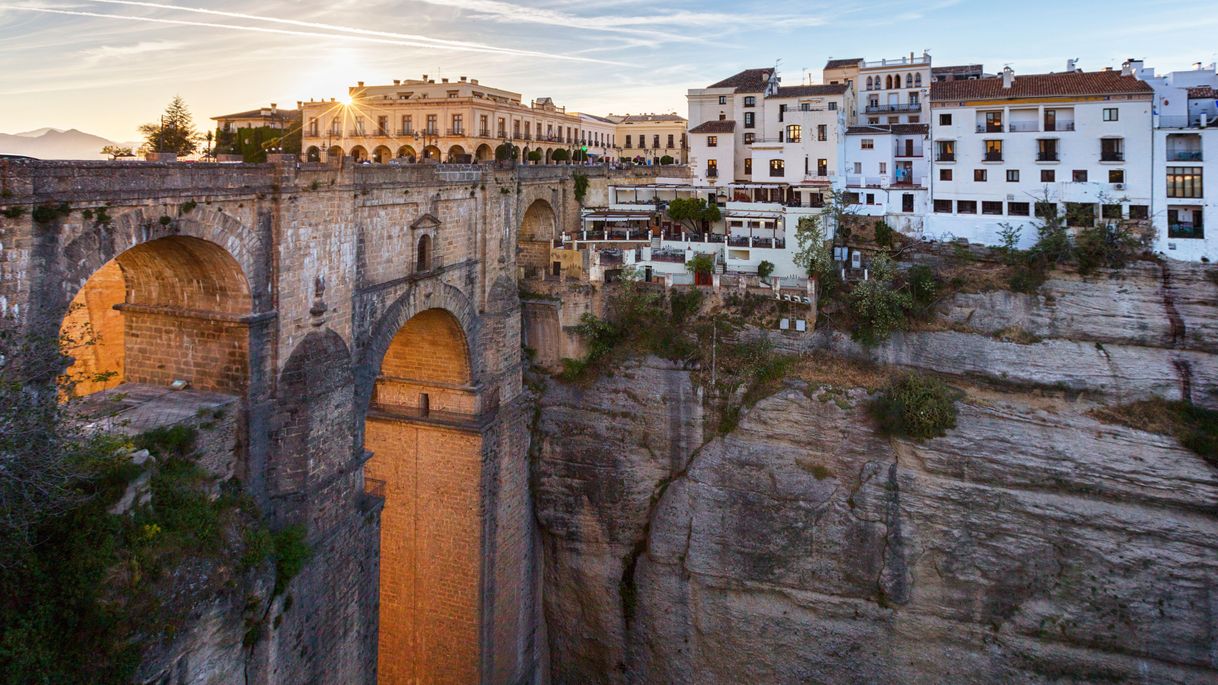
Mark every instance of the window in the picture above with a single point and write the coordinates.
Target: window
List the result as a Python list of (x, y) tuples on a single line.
[(711, 141), (1112, 149), (1012, 175), (777, 168), (1116, 175), (484, 125), (750, 101), (873, 120), (832, 106), (749, 138), (979, 175), (722, 116), (943, 206), (723, 99), (870, 84), (945, 174), (433, 126), (712, 168), (1046, 210), (1079, 175), (883, 167), (423, 259), (858, 167), (907, 203), (502, 127), (359, 126), (1080, 214), (1046, 150), (655, 141), (850, 198), (1185, 222), (1048, 175), (794, 133), (945, 120), (382, 126), (822, 167), (1018, 209), (670, 140), (966, 206), (313, 127), (1139, 212), (991, 207), (748, 165), (867, 144), (870, 198), (749, 119), (458, 126), (917, 80), (946, 151), (1110, 211), (1111, 114), (993, 150), (1183, 181)]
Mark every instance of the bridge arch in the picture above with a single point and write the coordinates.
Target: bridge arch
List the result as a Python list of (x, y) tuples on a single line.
[(427, 450), (173, 308), (456, 153), (381, 155), (484, 153), (313, 154), (538, 229), (312, 431)]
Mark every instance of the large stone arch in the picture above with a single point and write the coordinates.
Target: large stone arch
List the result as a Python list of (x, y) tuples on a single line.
[(538, 229), (484, 153), (312, 431)]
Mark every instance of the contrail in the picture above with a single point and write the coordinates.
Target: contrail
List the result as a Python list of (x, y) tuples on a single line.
[(410, 42)]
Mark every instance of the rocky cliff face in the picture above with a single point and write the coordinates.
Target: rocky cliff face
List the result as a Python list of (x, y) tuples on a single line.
[(1030, 544)]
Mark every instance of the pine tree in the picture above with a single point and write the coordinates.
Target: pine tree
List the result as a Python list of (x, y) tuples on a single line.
[(175, 132)]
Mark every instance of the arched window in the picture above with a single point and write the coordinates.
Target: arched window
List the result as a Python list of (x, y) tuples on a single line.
[(909, 80), (423, 263), (888, 82), (918, 80), (869, 83)]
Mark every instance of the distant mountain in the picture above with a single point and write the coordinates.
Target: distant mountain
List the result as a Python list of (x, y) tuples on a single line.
[(50, 143)]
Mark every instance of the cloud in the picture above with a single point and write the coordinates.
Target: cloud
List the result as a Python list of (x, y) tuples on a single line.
[(369, 36), (95, 56)]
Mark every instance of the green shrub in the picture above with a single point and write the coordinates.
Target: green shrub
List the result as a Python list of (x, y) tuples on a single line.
[(765, 268), (506, 151), (1196, 428), (878, 307), (187, 207), (701, 264), (534, 155), (923, 285), (581, 187), (885, 236), (46, 214), (915, 406), (292, 552), (666, 159), (560, 155)]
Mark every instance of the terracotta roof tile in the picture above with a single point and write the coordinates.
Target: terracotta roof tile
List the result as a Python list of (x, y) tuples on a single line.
[(1202, 93), (1079, 83), (799, 91), (747, 81), (720, 126), (897, 129)]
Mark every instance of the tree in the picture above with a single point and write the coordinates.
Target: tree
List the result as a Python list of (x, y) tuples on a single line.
[(692, 211), (175, 132), (116, 151), (534, 155), (765, 268), (506, 152), (701, 264), (813, 255), (666, 159), (878, 305), (560, 155)]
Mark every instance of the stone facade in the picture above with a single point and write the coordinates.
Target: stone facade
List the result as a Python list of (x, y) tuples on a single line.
[(297, 290)]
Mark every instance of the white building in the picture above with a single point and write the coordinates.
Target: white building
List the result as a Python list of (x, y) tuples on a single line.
[(1185, 143), (887, 168), (887, 91), (1078, 140), (597, 134)]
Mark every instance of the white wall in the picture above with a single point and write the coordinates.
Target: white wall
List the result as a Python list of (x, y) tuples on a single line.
[(1187, 248)]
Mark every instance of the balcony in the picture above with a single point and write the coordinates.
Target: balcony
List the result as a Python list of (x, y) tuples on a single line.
[(459, 131), (1061, 126), (1183, 155), (1047, 157), (1112, 156), (382, 133), (712, 173), (885, 109), (992, 157), (1024, 126), (904, 152), (484, 133), (406, 132), (989, 128), (900, 62), (945, 157)]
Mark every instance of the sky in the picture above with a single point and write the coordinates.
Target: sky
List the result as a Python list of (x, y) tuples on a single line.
[(106, 66)]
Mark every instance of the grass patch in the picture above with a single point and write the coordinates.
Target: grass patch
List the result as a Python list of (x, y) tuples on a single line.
[(1194, 427)]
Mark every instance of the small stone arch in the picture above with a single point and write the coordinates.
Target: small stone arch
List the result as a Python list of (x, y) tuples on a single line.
[(313, 154), (381, 155), (335, 154), (538, 229), (312, 430), (484, 153), (456, 154), (406, 152), (549, 159), (431, 153), (359, 154)]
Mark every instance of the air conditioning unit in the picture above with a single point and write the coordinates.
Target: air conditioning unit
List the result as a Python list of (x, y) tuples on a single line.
[(1118, 186), (1010, 197)]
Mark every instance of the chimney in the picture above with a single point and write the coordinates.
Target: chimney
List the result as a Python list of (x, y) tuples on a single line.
[(424, 78), (361, 84), (1071, 65), (443, 80), (462, 79), (474, 81), (397, 82), (1008, 77), (1197, 66), (274, 108)]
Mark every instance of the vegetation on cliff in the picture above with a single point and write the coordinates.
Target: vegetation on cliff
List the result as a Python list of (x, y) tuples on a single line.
[(1194, 427), (915, 406)]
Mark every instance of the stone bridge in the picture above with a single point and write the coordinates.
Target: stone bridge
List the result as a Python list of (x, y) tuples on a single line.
[(366, 322)]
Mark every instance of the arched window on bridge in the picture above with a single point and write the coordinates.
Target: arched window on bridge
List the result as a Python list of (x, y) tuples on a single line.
[(423, 258)]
